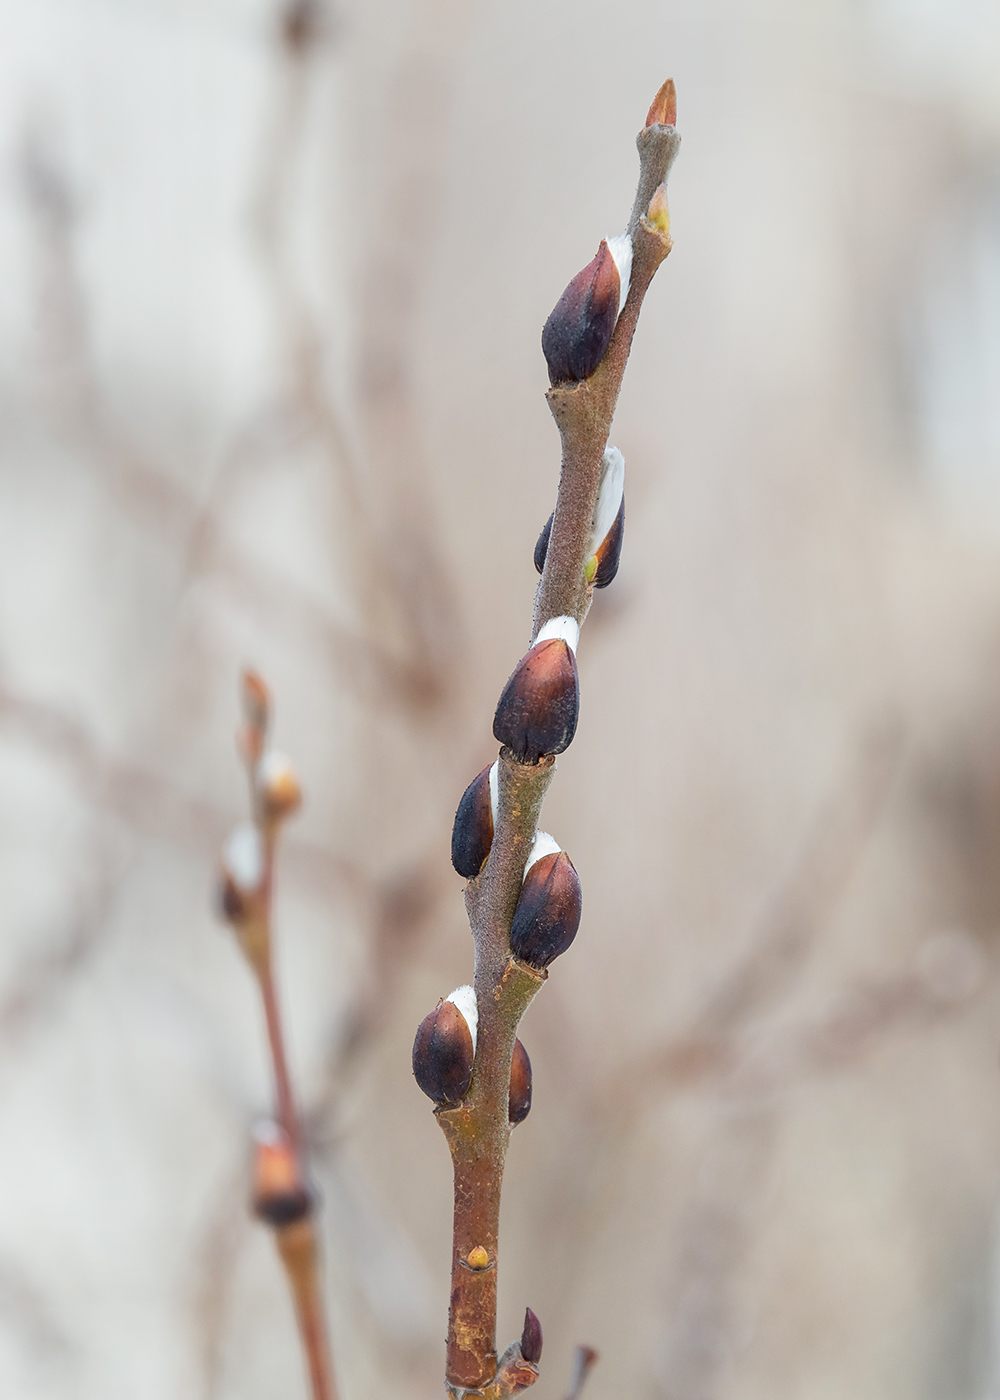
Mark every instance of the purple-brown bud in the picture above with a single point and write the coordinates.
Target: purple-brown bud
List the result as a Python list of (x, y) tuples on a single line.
[(519, 1101), (531, 1338), (548, 912), (472, 834), (279, 1194), (538, 710), (445, 1048), (663, 112), (576, 336), (542, 543)]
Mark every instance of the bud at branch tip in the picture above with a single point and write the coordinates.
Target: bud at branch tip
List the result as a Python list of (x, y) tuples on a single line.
[(663, 112)]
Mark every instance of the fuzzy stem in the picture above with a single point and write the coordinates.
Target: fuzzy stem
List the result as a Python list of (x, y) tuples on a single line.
[(478, 1130)]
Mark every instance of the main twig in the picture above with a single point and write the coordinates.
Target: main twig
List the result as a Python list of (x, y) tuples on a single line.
[(282, 1196), (523, 897)]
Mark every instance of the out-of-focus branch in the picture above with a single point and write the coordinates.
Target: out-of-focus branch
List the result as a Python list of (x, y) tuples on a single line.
[(282, 1195)]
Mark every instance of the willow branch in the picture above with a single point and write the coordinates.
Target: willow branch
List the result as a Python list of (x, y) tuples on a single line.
[(542, 721)]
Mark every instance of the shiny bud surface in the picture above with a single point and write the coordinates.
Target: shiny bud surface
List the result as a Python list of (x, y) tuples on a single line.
[(576, 336), (443, 1052), (548, 912), (519, 1101), (537, 712), (279, 1194), (531, 1338), (472, 833), (477, 1258)]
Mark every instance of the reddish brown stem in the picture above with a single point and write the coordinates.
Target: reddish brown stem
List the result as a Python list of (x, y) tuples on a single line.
[(299, 1252), (284, 1097)]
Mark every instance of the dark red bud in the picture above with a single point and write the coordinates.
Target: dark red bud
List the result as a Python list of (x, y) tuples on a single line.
[(443, 1054), (548, 912), (531, 1338), (519, 1102), (472, 834), (575, 338), (609, 552), (540, 705), (663, 112), (542, 545), (279, 1193)]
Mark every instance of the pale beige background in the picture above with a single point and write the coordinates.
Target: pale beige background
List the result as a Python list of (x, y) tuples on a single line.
[(271, 391)]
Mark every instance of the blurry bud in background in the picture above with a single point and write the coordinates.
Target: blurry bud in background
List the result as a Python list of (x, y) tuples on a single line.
[(277, 786), (279, 1193), (242, 867)]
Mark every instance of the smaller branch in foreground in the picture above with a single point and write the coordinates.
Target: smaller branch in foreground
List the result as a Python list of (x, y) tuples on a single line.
[(282, 1196)]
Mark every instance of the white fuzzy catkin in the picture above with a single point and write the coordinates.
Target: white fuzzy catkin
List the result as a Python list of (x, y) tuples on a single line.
[(465, 999), (610, 491), (565, 627), (620, 248), (243, 857), (543, 845), (495, 791)]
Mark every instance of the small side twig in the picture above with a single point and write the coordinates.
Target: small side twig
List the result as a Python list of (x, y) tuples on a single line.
[(282, 1196)]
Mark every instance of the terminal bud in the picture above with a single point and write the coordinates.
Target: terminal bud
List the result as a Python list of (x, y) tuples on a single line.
[(472, 834), (538, 710), (519, 1102), (575, 338), (548, 911), (279, 1193), (663, 111), (445, 1048)]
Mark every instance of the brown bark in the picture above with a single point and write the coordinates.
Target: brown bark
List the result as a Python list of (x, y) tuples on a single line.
[(478, 1129)]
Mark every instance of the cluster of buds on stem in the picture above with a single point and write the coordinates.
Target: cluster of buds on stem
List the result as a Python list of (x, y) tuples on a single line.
[(526, 912), (444, 1054)]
